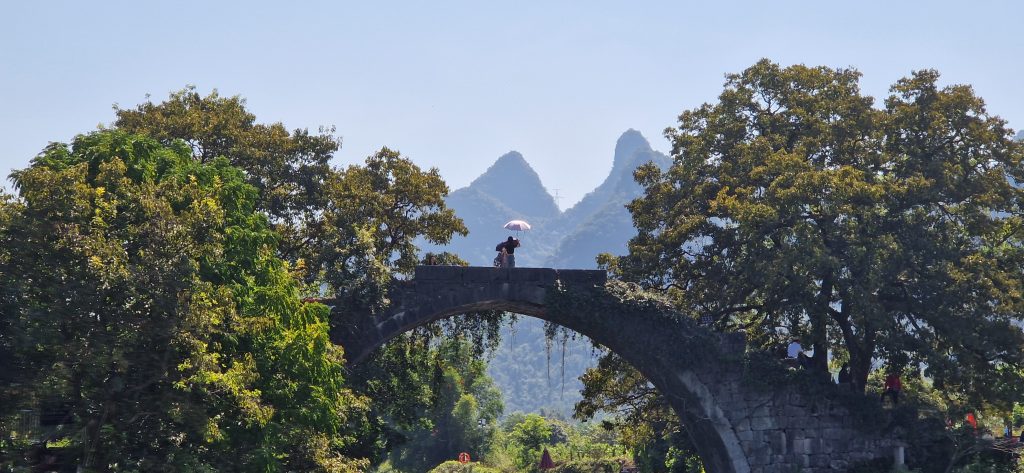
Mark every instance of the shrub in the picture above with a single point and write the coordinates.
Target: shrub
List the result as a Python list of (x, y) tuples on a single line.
[(604, 465), (453, 466)]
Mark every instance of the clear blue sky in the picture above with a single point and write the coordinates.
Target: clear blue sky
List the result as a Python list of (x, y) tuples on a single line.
[(455, 84)]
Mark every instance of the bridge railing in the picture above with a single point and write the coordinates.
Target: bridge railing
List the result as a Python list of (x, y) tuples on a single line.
[(487, 274)]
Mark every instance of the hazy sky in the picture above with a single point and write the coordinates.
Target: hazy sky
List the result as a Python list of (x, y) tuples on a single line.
[(455, 84)]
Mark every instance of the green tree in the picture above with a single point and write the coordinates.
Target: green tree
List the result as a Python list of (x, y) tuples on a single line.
[(350, 228), (795, 206), (145, 291), (459, 414), (528, 437), (11, 340), (456, 467), (643, 418), (349, 231), (288, 169), (367, 231)]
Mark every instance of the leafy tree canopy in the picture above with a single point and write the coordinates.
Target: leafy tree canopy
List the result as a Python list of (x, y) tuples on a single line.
[(795, 206), (347, 232), (459, 412), (141, 288), (350, 228), (533, 432), (288, 169), (368, 228)]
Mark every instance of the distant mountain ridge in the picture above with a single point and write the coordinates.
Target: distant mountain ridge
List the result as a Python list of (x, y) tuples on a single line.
[(600, 222), (530, 377), (631, 149), (511, 189), (515, 184)]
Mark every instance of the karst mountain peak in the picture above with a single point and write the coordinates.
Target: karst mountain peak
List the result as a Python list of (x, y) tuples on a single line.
[(511, 189)]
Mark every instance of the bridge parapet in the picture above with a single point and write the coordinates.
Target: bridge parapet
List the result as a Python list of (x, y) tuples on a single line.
[(480, 274)]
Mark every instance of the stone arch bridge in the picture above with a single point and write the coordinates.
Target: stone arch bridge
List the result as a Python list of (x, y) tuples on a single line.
[(737, 425)]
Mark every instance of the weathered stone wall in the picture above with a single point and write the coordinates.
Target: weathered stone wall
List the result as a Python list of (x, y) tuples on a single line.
[(736, 424), (782, 429)]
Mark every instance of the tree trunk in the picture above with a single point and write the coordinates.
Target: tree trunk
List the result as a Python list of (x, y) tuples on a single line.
[(860, 354), (819, 327), (860, 367)]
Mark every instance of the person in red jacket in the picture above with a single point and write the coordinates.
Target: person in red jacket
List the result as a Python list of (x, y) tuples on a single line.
[(892, 387)]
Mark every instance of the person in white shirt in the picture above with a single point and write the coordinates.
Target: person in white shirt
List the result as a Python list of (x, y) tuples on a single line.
[(794, 349)]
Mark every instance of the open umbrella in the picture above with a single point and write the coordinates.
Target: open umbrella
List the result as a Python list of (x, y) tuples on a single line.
[(517, 225), (545, 461)]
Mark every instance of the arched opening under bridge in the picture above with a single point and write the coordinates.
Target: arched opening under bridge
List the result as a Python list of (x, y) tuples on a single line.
[(737, 426)]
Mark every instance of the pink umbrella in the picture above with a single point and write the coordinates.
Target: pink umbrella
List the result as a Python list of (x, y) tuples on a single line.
[(517, 225)]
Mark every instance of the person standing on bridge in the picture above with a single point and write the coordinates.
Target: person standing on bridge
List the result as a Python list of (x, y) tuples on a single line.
[(506, 252), (893, 387), (794, 350)]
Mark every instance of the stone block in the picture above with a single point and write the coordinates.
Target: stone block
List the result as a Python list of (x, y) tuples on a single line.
[(583, 277), (533, 294), (434, 273), (541, 276), (761, 423), (777, 440), (792, 411), (761, 455), (486, 275), (745, 435), (857, 456), (838, 465), (805, 446), (833, 434)]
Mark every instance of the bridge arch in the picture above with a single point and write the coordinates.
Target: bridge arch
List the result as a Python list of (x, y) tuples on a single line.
[(735, 428)]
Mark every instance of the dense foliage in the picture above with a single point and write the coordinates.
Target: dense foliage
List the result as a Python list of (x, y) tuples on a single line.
[(142, 291), (459, 413), (793, 206), (346, 232), (367, 230), (453, 466), (351, 228), (289, 170), (643, 418)]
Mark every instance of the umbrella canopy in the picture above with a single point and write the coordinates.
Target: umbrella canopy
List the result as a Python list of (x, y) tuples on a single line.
[(517, 225), (545, 461)]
